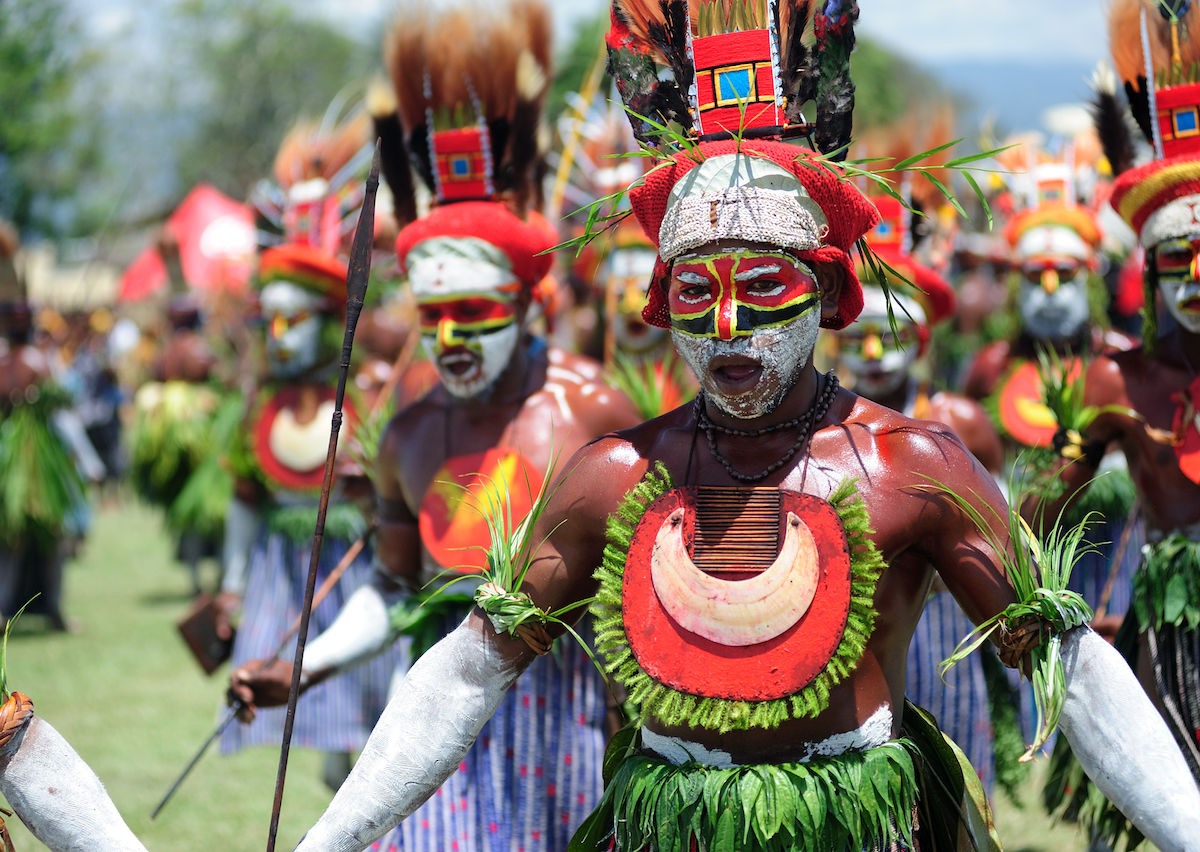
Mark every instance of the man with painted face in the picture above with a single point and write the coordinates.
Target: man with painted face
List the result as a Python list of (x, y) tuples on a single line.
[(758, 558), (1148, 399), (877, 354), (508, 411), (278, 461)]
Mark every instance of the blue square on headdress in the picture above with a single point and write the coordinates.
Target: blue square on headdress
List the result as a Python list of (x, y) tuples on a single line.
[(1185, 122), (883, 229), (735, 84), (460, 166)]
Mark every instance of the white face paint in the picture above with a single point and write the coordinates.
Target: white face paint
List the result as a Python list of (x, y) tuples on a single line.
[(469, 373), (1176, 264), (780, 353), (629, 271), (1057, 315), (878, 358), (1053, 300), (467, 301), (293, 320)]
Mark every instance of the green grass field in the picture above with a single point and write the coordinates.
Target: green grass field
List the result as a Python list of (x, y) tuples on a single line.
[(126, 693)]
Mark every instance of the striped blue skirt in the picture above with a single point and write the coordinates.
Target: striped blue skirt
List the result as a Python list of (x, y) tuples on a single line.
[(338, 714), (960, 704), (533, 774)]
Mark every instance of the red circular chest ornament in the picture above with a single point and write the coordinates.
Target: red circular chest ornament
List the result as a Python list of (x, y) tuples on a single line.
[(776, 667), (292, 454), (1186, 426), (453, 528), (1023, 415)]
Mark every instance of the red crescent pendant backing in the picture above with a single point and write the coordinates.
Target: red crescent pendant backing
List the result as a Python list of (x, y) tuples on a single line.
[(768, 670), (1188, 448)]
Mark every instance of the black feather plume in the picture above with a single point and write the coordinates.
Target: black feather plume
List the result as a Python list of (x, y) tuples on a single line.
[(797, 72), (1113, 129), (1139, 106), (394, 164), (834, 29)]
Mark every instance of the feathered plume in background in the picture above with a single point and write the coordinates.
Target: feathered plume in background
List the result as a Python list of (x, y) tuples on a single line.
[(473, 65), (833, 27), (1112, 126), (317, 167), (1174, 40), (644, 35)]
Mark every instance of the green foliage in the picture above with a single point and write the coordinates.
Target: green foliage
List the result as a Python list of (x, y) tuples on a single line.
[(887, 86), (39, 482), (258, 67), (858, 800), (1038, 571), (48, 129), (1166, 589), (646, 382)]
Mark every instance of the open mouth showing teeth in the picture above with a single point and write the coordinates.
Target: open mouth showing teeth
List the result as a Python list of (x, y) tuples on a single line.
[(1191, 304)]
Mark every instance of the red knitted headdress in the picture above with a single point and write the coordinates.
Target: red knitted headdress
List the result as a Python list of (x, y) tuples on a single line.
[(848, 215)]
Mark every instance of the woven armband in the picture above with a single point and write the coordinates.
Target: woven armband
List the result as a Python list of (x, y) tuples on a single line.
[(1073, 445), (516, 614)]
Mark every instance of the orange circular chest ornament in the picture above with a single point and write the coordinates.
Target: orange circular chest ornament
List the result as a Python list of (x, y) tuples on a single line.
[(453, 514), (1023, 415)]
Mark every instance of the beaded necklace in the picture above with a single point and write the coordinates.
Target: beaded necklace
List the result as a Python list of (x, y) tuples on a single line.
[(805, 423)]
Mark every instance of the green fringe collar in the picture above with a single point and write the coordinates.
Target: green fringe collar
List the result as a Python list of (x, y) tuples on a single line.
[(1166, 588), (721, 714)]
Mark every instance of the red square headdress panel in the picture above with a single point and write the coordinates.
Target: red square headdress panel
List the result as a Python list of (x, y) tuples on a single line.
[(734, 84)]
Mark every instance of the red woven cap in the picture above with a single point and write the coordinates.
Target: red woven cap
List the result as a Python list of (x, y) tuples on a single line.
[(310, 267), (930, 289), (850, 215), (522, 241), (1138, 193)]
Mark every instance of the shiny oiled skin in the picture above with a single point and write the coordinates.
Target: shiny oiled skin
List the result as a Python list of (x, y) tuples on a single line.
[(1149, 386), (895, 461), (546, 404)]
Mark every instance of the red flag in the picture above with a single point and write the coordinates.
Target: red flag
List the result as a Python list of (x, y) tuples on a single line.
[(216, 241)]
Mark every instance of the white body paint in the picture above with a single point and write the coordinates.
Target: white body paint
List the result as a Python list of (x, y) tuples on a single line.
[(58, 796), (296, 349), (1124, 745), (423, 735), (1176, 218), (872, 733), (360, 631), (495, 353)]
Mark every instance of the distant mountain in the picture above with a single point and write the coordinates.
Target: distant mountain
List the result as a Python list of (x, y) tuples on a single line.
[(1015, 94)]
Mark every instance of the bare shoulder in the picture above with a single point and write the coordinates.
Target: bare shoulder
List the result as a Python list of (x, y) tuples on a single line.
[(414, 423), (577, 382)]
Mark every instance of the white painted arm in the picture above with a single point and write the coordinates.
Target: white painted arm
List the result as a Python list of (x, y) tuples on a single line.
[(424, 732), (361, 630), (241, 528), (69, 427), (1124, 745), (58, 796)]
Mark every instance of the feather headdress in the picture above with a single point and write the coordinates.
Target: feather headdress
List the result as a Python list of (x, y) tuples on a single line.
[(1156, 53), (735, 68), (315, 191), (469, 87)]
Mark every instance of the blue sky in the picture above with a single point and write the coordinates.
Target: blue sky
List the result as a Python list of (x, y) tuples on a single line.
[(1007, 41)]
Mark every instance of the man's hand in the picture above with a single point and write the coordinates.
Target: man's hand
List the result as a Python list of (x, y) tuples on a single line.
[(259, 683), (225, 606)]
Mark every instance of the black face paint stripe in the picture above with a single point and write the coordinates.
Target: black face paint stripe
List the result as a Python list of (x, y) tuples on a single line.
[(748, 318)]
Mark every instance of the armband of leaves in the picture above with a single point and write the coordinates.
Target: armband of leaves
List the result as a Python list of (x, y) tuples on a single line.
[(1039, 571)]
